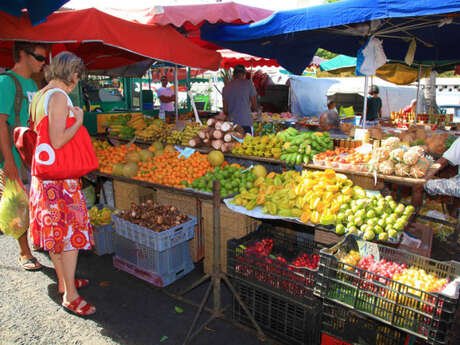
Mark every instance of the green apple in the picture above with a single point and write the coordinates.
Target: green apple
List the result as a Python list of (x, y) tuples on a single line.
[(409, 210), (379, 211), (392, 204), (398, 226), (371, 222), (364, 227), (383, 236), (340, 216), (393, 234), (351, 220), (378, 229), (370, 214), (360, 213), (340, 229), (389, 198), (358, 220), (382, 222), (348, 213), (368, 235), (352, 230), (389, 228), (399, 209)]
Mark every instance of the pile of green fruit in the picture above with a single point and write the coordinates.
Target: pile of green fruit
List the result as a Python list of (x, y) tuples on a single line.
[(232, 180), (300, 147), (266, 146), (376, 217)]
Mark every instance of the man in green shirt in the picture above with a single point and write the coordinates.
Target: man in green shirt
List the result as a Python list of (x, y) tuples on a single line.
[(29, 58), (374, 104)]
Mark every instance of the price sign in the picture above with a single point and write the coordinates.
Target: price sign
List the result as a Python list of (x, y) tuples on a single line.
[(367, 249), (186, 152)]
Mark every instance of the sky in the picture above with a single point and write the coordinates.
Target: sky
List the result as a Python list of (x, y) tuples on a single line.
[(275, 5)]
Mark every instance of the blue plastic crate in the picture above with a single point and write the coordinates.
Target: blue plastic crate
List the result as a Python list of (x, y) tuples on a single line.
[(158, 241), (103, 236), (160, 268)]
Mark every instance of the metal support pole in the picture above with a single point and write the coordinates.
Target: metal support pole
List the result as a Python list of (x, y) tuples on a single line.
[(366, 80), (417, 107), (189, 105), (217, 249), (176, 93)]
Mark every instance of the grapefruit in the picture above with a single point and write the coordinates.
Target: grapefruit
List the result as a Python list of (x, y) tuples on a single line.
[(215, 158), (145, 154), (117, 169), (259, 171), (133, 156)]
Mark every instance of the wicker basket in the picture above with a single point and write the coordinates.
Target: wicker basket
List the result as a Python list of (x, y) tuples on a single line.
[(191, 206), (366, 182), (127, 193), (232, 225)]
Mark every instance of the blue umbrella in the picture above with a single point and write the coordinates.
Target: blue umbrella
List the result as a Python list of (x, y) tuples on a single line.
[(292, 37), (38, 9)]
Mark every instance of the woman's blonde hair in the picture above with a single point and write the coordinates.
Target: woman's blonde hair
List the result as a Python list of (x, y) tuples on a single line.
[(63, 66)]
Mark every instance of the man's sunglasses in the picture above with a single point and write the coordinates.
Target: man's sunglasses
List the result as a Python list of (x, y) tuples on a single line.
[(37, 57)]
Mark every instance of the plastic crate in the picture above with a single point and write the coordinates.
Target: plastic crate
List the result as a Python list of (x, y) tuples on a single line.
[(103, 236), (426, 315), (279, 317), (159, 268), (280, 277), (158, 241), (348, 326)]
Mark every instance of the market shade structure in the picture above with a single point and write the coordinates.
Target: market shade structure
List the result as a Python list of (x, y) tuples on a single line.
[(38, 10), (292, 37), (230, 59), (104, 41), (188, 19)]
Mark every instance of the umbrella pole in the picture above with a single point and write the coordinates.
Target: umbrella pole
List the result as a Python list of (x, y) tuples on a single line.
[(176, 92), (418, 90), (366, 81)]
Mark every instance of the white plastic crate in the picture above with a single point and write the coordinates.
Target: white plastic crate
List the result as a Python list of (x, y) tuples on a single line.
[(159, 268), (103, 239), (159, 241)]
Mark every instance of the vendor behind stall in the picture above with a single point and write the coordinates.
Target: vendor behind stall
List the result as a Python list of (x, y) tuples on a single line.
[(167, 100), (329, 120), (239, 98), (374, 104)]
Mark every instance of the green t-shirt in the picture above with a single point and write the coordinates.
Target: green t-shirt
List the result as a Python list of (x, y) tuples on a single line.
[(7, 96)]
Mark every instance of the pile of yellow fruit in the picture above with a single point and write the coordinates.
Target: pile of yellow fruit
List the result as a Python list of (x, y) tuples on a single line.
[(100, 217), (421, 280), (313, 196), (266, 146), (352, 258)]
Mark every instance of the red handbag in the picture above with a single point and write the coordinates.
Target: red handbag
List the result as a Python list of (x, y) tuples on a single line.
[(24, 140), (75, 159)]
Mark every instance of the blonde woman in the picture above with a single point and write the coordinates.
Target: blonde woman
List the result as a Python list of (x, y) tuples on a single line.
[(58, 213)]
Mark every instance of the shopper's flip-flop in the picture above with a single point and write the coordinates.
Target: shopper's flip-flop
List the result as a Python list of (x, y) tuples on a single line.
[(31, 264), (79, 307)]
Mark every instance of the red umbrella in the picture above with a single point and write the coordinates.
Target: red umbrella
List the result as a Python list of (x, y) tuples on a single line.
[(104, 41)]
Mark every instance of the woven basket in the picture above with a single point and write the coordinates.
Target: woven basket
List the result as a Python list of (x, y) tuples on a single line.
[(366, 182), (127, 193)]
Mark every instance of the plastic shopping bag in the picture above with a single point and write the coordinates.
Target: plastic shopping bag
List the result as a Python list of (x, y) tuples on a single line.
[(14, 209)]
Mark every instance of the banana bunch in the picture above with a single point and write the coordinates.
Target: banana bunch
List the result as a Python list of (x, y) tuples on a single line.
[(189, 132), (175, 137), (137, 122), (149, 133)]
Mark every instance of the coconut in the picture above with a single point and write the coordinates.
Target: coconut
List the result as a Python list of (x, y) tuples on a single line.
[(259, 171), (130, 169), (145, 155)]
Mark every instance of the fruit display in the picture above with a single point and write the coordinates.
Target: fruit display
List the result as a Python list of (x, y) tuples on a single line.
[(262, 128), (119, 123), (403, 119), (300, 147), (158, 130), (155, 217), (387, 272), (101, 216), (373, 217), (343, 158), (220, 135), (232, 179), (268, 146)]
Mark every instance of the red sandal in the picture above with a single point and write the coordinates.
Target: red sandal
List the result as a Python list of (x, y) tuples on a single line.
[(79, 283), (74, 307)]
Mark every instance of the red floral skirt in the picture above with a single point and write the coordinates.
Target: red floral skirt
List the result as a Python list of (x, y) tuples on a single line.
[(59, 219)]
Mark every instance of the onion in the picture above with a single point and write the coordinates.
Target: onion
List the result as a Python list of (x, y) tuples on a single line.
[(218, 125), (211, 122), (226, 127), (217, 144)]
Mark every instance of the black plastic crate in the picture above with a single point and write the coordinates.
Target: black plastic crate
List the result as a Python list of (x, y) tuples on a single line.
[(281, 318), (349, 326), (283, 278), (426, 315)]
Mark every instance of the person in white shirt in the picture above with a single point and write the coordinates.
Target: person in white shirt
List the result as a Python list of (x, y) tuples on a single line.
[(167, 99)]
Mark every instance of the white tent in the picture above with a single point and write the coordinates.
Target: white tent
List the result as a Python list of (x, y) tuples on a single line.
[(309, 95)]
